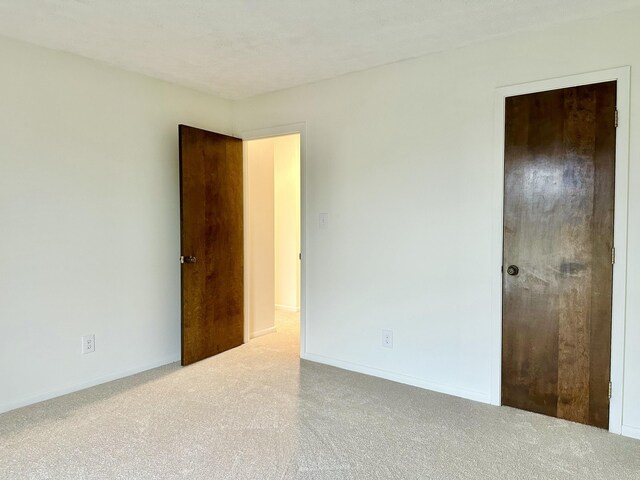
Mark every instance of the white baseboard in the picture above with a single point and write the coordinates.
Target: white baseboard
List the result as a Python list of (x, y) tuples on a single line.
[(633, 432), (23, 402), (260, 333), (287, 308), (398, 377)]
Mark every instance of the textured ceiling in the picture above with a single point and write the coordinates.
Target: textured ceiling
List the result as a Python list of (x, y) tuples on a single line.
[(240, 48)]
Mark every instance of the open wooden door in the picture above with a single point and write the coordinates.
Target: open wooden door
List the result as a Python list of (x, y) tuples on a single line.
[(211, 229), (558, 241)]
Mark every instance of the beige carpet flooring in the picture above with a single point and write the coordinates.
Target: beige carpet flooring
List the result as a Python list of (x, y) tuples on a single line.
[(258, 412)]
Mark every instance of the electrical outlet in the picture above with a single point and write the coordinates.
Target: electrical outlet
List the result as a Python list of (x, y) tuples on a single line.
[(387, 338), (88, 344)]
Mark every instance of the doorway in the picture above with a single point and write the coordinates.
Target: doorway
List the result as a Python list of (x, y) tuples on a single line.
[(273, 233), (215, 238), (622, 77)]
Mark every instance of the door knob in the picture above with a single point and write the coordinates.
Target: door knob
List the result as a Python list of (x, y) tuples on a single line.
[(513, 270), (187, 259)]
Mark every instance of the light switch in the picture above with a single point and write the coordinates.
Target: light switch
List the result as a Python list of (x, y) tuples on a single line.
[(324, 221)]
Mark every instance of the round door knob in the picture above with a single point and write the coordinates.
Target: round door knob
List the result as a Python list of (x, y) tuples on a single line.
[(512, 270)]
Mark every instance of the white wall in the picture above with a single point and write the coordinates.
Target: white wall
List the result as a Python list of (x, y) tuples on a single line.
[(89, 208), (402, 158), (260, 230), (286, 156)]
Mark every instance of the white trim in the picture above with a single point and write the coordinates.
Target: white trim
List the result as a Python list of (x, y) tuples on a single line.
[(633, 432), (261, 333), (301, 129), (622, 75), (398, 377), (247, 234), (23, 402), (287, 308)]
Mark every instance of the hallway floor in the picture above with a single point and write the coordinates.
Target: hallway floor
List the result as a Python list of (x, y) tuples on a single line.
[(258, 412)]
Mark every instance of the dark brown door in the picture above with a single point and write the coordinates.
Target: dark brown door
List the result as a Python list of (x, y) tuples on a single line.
[(211, 216), (558, 239)]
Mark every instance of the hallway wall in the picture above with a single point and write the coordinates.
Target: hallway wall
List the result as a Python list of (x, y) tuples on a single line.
[(287, 221), (260, 231)]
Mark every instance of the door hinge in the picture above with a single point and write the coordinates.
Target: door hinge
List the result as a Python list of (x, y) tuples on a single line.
[(616, 118), (613, 255), (610, 390)]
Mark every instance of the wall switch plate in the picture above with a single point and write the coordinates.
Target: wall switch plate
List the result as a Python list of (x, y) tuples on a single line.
[(323, 221), (88, 344), (387, 338)]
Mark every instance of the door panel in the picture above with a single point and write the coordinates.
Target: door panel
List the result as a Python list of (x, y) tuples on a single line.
[(558, 231), (211, 228)]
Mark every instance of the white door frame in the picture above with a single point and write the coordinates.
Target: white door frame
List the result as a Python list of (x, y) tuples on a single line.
[(301, 129), (622, 75)]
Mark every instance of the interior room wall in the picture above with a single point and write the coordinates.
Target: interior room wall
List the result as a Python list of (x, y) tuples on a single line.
[(402, 159), (287, 221), (260, 257), (89, 208)]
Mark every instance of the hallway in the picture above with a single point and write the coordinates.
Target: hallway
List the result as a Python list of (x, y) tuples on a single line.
[(258, 412)]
